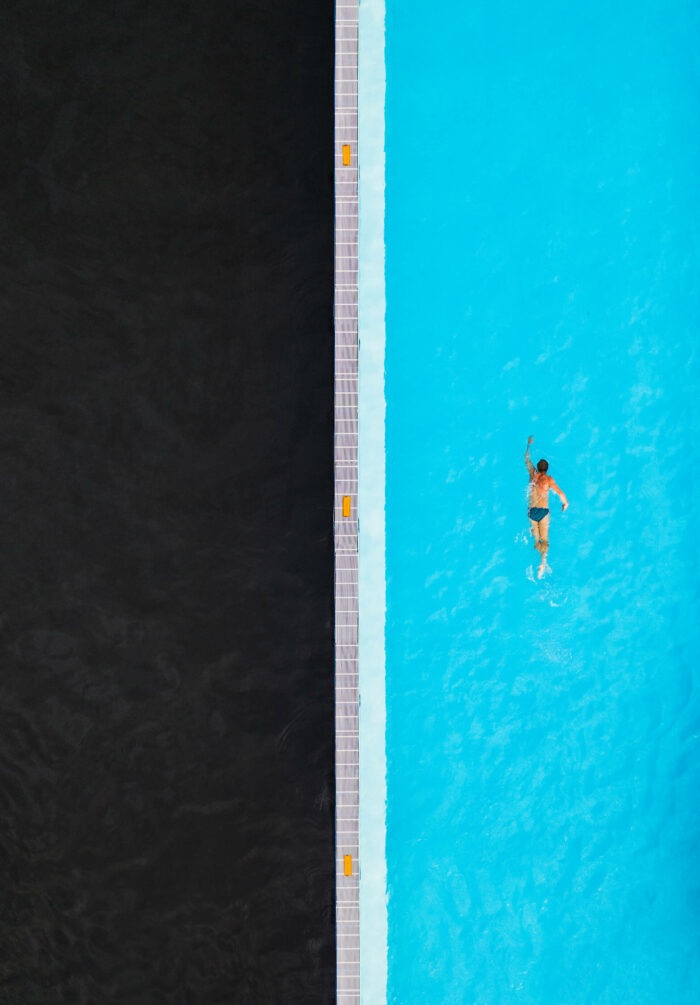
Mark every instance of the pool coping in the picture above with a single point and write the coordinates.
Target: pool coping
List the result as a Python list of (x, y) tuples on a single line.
[(372, 573)]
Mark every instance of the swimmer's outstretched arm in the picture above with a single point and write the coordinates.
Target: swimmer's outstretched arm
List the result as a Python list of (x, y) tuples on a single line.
[(530, 465)]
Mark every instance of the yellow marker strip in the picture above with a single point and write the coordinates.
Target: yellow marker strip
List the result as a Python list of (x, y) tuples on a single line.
[(346, 154), (347, 862), (346, 505)]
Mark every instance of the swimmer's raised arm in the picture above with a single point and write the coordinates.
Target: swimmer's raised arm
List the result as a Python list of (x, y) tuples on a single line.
[(555, 488), (530, 465)]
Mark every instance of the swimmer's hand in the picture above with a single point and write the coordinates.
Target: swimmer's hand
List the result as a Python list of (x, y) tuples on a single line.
[(529, 440), (564, 506)]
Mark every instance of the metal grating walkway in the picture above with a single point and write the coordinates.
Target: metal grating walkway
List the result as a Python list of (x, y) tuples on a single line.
[(347, 866)]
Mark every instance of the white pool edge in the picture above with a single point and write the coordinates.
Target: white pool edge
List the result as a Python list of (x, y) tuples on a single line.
[(371, 506)]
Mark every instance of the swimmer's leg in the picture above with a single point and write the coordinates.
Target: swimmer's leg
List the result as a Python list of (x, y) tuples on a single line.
[(543, 546), (535, 531)]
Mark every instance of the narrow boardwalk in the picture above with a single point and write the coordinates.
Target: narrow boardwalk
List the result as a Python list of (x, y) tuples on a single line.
[(345, 508)]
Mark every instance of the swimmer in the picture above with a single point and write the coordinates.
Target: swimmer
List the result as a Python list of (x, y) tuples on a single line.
[(538, 510)]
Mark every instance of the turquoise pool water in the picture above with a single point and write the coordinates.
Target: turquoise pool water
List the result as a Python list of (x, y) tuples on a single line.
[(543, 738)]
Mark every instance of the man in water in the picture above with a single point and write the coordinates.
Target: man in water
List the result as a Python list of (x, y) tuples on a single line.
[(538, 511)]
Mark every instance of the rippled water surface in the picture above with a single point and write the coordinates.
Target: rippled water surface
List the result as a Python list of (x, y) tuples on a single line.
[(543, 737)]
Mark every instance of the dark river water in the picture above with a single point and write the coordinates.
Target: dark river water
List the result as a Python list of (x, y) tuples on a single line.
[(166, 661)]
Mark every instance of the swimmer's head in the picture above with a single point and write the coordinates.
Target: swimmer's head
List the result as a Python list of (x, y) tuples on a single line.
[(542, 465)]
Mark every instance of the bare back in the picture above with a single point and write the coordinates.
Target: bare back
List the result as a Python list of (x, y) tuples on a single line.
[(540, 484)]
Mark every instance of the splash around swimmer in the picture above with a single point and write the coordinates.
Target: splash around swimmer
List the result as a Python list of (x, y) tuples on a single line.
[(538, 505)]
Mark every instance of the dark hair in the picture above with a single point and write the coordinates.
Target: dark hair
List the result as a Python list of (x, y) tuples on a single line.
[(542, 465)]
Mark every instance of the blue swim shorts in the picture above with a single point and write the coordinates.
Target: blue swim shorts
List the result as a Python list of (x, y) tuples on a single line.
[(538, 513)]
